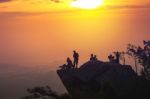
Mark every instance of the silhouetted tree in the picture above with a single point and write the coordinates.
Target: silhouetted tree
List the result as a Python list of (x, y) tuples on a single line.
[(41, 92), (131, 51), (141, 55)]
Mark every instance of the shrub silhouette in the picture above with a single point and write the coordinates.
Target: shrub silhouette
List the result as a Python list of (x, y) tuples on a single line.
[(41, 92)]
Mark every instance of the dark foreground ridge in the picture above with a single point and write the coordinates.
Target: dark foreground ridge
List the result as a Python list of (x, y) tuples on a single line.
[(93, 76), (103, 80)]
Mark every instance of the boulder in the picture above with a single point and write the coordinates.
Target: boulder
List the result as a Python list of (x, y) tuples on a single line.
[(94, 77)]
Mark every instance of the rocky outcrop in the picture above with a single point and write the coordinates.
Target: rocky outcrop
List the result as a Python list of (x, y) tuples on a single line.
[(91, 78)]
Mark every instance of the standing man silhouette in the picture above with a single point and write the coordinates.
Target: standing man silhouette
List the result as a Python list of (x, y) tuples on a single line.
[(76, 59), (117, 54)]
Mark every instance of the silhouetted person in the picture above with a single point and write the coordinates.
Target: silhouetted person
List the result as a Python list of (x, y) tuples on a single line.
[(111, 58), (69, 63), (76, 59), (92, 57), (95, 58), (117, 54)]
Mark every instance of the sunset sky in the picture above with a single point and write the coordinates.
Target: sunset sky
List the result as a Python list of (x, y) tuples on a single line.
[(51, 5), (45, 31)]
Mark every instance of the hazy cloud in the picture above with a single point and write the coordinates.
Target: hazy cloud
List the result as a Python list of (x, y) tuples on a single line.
[(129, 6)]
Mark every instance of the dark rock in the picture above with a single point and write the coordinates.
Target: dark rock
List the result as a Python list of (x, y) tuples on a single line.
[(91, 78)]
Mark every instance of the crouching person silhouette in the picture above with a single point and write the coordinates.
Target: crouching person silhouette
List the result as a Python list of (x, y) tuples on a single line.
[(69, 63)]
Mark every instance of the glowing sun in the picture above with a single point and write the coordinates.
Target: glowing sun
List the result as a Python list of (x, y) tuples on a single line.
[(87, 4)]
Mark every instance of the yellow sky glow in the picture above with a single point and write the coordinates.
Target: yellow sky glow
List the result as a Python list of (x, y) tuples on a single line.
[(87, 4), (47, 5)]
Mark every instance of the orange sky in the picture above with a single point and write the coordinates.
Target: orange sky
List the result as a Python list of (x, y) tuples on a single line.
[(38, 33)]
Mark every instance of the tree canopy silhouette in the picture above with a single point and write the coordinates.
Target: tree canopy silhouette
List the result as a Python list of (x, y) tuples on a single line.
[(141, 55)]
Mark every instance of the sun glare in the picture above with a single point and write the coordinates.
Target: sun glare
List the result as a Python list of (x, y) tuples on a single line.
[(87, 4)]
